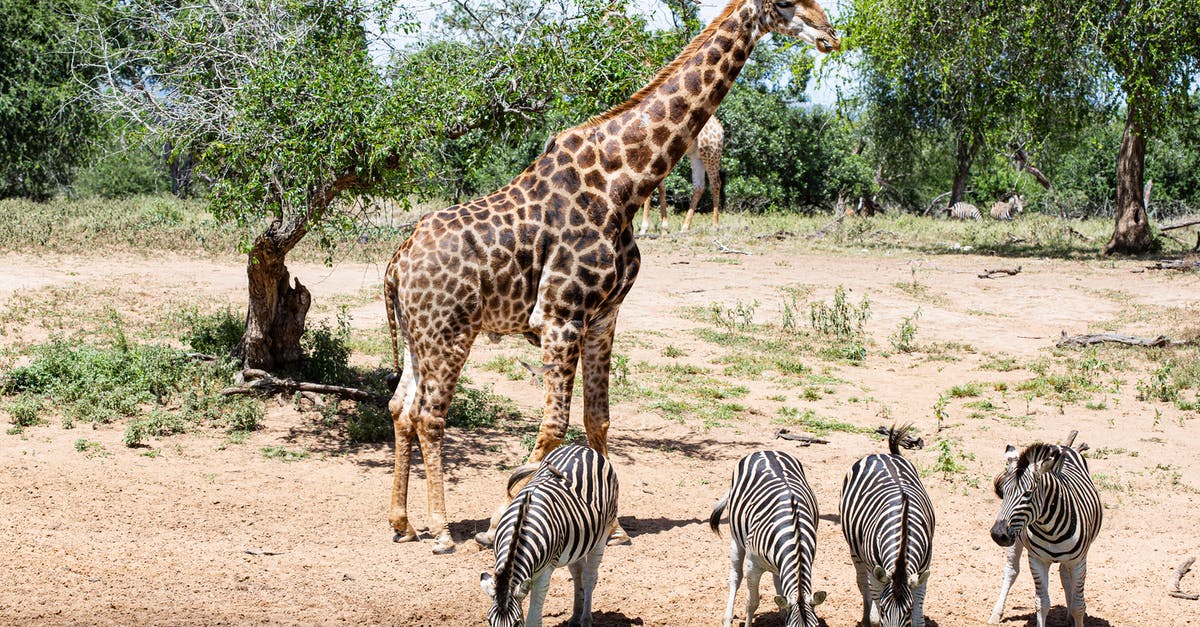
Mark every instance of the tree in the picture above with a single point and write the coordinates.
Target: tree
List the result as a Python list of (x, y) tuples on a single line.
[(1153, 49), (976, 72), (46, 125), (280, 103)]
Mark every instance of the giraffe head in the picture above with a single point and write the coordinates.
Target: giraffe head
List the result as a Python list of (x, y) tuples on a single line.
[(804, 19)]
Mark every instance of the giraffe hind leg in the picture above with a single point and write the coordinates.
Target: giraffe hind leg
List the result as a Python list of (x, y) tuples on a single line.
[(401, 407)]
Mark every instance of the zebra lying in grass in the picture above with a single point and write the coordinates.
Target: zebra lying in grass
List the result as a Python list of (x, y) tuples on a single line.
[(888, 521), (1051, 508), (773, 528), (963, 211), (562, 517)]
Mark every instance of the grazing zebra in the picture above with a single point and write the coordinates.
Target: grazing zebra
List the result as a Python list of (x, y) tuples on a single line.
[(1051, 508), (773, 527), (562, 517), (963, 211), (888, 522)]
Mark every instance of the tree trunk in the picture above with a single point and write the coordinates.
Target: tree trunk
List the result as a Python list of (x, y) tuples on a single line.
[(964, 155), (1131, 233), (277, 309)]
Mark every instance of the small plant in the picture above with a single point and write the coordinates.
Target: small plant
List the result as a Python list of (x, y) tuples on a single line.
[(90, 448), (671, 351), (939, 411), (282, 454), (326, 351), (24, 410), (948, 463), (813, 423), (507, 366), (620, 369), (1160, 387), (965, 390), (472, 408), (842, 319), (214, 334), (738, 318), (904, 340), (369, 423)]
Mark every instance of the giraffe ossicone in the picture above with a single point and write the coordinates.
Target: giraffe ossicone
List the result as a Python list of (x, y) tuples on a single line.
[(551, 255)]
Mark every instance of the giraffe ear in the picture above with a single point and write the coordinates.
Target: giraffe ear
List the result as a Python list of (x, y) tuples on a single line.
[(488, 584), (881, 575)]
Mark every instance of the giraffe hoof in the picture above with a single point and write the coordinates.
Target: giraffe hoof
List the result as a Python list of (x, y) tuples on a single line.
[(443, 547), (409, 536), (485, 539)]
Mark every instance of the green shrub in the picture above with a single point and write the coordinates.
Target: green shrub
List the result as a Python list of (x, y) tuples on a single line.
[(217, 333), (473, 408), (369, 423), (327, 351), (904, 340), (842, 319), (24, 410)]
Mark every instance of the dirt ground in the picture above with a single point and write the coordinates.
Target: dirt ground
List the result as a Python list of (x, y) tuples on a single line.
[(201, 532)]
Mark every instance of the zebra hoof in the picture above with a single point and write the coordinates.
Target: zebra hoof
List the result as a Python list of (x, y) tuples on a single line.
[(485, 539), (618, 537)]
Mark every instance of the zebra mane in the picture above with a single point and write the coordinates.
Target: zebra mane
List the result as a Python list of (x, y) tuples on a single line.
[(504, 573), (900, 578), (1034, 453)]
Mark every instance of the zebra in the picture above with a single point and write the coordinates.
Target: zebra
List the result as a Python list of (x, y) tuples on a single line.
[(1007, 209), (888, 521), (773, 523), (562, 517), (1051, 508), (963, 211)]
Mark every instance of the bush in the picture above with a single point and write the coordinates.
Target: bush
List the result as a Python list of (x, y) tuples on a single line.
[(217, 333), (327, 351)]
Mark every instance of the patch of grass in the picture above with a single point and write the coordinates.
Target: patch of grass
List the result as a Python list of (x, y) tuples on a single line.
[(507, 366), (817, 425), (1000, 364), (25, 410), (811, 394), (841, 319), (1107, 482), (327, 351), (965, 390), (282, 454), (213, 334), (90, 448), (369, 423), (672, 351), (1106, 452), (1161, 385), (472, 408), (904, 340)]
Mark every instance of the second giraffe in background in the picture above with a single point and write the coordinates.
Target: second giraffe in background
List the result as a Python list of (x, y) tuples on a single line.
[(705, 157)]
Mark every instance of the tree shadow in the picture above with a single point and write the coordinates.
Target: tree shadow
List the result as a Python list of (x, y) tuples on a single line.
[(1059, 615)]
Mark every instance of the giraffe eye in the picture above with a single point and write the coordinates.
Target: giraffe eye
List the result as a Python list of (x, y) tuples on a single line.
[(785, 5)]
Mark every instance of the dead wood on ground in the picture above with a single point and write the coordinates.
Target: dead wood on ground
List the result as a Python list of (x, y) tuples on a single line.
[(804, 440), (1179, 573), (253, 381), (1117, 338), (988, 274)]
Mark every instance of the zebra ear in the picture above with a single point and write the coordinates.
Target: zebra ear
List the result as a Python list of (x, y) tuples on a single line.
[(782, 603), (1051, 461), (881, 575), (488, 584), (522, 590), (916, 580), (816, 598), (1010, 458)]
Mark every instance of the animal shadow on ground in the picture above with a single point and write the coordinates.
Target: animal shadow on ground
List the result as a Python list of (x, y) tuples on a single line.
[(465, 530), (610, 619), (773, 618), (833, 518), (1059, 615), (636, 527)]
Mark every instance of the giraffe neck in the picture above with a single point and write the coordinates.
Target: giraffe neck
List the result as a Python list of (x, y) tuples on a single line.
[(640, 140)]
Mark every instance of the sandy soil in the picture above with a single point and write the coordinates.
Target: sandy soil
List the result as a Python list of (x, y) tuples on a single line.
[(207, 533)]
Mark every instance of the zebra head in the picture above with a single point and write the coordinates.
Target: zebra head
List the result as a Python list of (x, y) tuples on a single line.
[(506, 608), (1019, 486), (800, 614)]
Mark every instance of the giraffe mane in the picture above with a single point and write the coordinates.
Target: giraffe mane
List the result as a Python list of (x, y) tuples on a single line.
[(668, 70)]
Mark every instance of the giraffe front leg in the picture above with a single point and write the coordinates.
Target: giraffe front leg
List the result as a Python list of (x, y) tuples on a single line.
[(1012, 567), (560, 353), (597, 366), (662, 206)]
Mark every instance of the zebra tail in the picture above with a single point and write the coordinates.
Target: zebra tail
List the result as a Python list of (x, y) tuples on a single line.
[(504, 572), (896, 435), (714, 520), (900, 578)]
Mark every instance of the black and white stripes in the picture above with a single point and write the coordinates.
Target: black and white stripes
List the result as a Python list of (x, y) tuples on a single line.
[(1051, 508), (773, 527), (562, 517), (888, 522)]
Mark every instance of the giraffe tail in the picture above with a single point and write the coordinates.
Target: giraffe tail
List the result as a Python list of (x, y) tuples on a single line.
[(389, 301)]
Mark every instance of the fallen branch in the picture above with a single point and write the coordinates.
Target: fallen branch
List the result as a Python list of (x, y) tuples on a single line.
[(779, 235), (1175, 590), (260, 382), (987, 274), (821, 231), (1175, 264), (727, 250), (1181, 225), (804, 440), (1072, 231), (1100, 338), (908, 441)]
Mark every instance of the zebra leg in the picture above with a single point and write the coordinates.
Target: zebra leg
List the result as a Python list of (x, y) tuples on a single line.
[(1040, 569), (1072, 576), (753, 576), (860, 571), (537, 596), (737, 558), (918, 606), (1012, 567), (585, 572)]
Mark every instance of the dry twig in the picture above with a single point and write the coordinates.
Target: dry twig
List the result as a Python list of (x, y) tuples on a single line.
[(252, 381), (1175, 590), (987, 274), (804, 440), (1100, 338), (727, 250)]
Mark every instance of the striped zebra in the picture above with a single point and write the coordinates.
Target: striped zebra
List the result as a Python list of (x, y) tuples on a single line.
[(562, 517), (1051, 508), (888, 522), (963, 211), (773, 527)]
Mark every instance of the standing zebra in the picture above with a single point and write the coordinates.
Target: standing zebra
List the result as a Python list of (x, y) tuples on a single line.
[(888, 522), (1051, 508), (963, 211), (773, 522), (562, 517)]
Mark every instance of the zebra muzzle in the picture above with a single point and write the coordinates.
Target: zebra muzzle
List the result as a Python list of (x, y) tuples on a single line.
[(1003, 534)]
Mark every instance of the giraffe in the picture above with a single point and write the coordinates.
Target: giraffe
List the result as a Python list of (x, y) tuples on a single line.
[(551, 255), (705, 157)]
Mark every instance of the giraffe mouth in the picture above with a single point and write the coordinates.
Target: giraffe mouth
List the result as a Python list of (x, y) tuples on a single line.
[(827, 44)]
